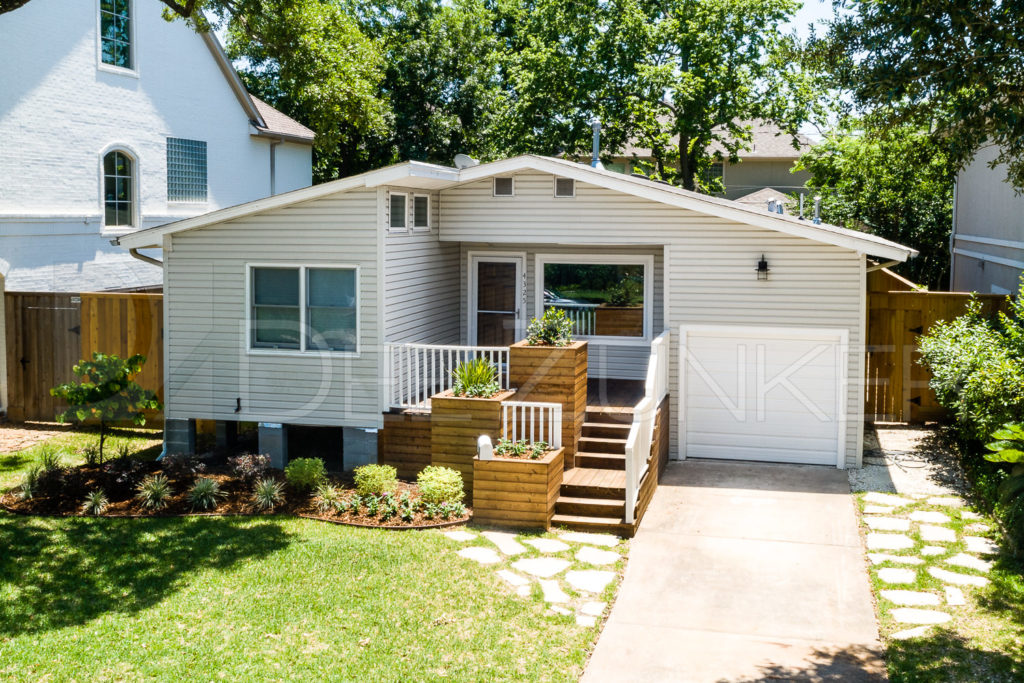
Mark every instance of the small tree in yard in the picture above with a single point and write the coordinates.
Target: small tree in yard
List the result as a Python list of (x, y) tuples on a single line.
[(106, 393)]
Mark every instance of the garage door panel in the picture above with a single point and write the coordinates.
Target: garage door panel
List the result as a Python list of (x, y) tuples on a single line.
[(822, 396), (779, 441), (707, 420), (764, 455)]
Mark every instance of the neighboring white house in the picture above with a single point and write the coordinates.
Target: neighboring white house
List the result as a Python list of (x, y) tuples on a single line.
[(300, 309), (113, 120), (988, 229)]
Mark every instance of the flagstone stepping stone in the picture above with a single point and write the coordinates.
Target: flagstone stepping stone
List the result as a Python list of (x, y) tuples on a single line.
[(541, 567), (879, 558), (977, 544), (513, 578), (886, 499), (589, 580), (930, 516), (948, 501), (481, 555), (887, 523), (970, 562), (889, 542), (523, 591), (939, 534), (460, 536), (606, 540), (505, 541), (547, 545), (878, 510), (930, 550), (911, 615), (955, 596), (897, 575), (585, 621), (594, 609), (553, 591), (911, 598), (911, 633), (977, 528), (560, 610), (957, 578), (588, 555), (967, 514)]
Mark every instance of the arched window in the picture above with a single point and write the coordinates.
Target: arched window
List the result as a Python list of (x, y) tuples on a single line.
[(118, 193)]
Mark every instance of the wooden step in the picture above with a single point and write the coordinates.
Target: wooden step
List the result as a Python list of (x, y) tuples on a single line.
[(599, 444), (590, 507), (601, 461), (613, 414), (606, 430), (611, 525), (588, 482)]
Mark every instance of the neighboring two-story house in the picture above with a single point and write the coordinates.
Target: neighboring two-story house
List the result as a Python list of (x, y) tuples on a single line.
[(113, 119)]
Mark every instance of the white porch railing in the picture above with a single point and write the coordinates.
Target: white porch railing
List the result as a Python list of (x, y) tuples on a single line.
[(641, 432), (418, 371), (532, 421), (583, 316)]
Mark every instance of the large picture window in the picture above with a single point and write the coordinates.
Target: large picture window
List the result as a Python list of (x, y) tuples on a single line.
[(303, 308), (604, 299)]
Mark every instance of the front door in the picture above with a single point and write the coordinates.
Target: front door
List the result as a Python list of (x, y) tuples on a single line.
[(496, 293)]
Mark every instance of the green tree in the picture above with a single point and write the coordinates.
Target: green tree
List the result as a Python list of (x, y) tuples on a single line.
[(106, 393), (896, 184), (953, 67)]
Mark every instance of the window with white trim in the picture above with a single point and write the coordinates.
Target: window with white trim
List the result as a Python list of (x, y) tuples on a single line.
[(421, 212), (397, 211), (565, 187), (118, 190), (504, 187), (116, 33), (186, 170), (301, 308), (604, 298)]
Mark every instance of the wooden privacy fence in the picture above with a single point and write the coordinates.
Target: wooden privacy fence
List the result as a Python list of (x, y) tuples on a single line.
[(896, 383), (48, 333)]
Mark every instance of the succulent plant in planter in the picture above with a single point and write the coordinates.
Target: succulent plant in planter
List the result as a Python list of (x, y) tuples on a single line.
[(552, 329), (477, 378)]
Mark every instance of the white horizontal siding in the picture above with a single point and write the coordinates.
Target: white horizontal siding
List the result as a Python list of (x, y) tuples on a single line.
[(208, 365)]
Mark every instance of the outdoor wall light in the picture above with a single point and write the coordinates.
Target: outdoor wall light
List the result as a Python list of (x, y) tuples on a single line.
[(762, 269)]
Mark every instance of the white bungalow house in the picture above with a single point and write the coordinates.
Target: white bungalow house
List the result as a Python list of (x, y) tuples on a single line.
[(114, 120), (335, 305)]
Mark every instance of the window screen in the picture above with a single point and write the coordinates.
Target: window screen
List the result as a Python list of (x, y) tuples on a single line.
[(116, 33), (565, 187), (421, 211), (186, 170), (503, 187), (331, 299), (397, 211), (275, 308)]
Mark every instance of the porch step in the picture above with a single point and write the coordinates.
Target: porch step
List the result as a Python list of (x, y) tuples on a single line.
[(599, 444), (612, 525), (601, 461), (589, 482), (609, 414), (606, 430), (590, 507)]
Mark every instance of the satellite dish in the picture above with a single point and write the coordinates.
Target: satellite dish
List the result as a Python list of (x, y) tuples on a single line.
[(465, 161)]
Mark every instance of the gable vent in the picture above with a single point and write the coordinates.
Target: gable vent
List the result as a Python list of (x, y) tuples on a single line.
[(503, 187), (565, 187)]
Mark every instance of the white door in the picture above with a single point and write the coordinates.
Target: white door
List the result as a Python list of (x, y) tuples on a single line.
[(758, 393), (496, 303)]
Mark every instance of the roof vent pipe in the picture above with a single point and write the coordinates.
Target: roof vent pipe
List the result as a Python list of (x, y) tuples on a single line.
[(817, 209), (595, 160)]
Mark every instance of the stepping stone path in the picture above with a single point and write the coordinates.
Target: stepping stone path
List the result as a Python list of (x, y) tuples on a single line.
[(606, 540), (547, 545), (522, 585), (970, 562), (553, 591), (879, 558), (911, 615), (560, 610), (589, 580), (938, 534), (977, 544), (912, 598), (957, 578), (912, 633), (895, 575), (541, 567), (878, 510), (977, 528), (930, 516), (886, 499), (593, 609), (889, 542), (955, 597), (967, 514), (887, 523), (588, 555), (460, 536), (930, 550), (948, 501), (585, 621), (481, 555), (505, 541)]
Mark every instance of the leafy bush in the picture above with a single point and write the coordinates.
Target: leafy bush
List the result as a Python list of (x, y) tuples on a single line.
[(182, 465), (1008, 447), (95, 503), (477, 378), (267, 494), (123, 476), (250, 466), (303, 474), (440, 484), (328, 498), (375, 479), (520, 449), (49, 457), (154, 492), (625, 293), (552, 329), (205, 494)]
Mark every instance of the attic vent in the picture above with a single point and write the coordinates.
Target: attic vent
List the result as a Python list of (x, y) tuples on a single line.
[(503, 187), (565, 187)]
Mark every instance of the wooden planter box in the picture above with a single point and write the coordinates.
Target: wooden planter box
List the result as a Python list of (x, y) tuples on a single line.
[(554, 374), (619, 321), (517, 493), (456, 422)]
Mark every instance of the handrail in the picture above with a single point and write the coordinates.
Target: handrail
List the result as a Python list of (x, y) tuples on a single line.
[(532, 421), (418, 371), (641, 431)]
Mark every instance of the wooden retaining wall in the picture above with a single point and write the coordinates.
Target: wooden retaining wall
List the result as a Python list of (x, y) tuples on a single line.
[(404, 442), (455, 425), (518, 493)]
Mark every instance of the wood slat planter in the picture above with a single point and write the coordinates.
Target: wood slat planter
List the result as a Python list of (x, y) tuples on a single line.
[(404, 442), (554, 374), (517, 493), (456, 422)]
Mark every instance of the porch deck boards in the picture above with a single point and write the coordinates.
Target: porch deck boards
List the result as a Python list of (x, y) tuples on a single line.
[(595, 478)]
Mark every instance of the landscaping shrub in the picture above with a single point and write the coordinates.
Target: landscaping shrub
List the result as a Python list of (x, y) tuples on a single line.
[(250, 466), (552, 329), (1008, 448), (520, 449), (328, 498), (303, 474), (182, 465), (375, 479), (95, 503), (49, 456), (123, 476), (154, 492), (477, 378), (267, 494), (28, 487), (440, 485), (205, 494)]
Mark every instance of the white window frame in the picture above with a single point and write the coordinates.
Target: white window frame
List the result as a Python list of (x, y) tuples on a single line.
[(412, 214), (302, 351), (645, 260), (405, 225), (554, 188), (494, 187), (111, 68), (136, 176)]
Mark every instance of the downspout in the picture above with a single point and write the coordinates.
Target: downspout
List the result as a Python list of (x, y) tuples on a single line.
[(273, 166), (148, 259), (952, 239)]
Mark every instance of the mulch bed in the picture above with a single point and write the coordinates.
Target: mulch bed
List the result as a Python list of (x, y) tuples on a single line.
[(120, 491)]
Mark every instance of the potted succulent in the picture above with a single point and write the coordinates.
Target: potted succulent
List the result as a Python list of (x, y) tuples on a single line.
[(550, 366), (535, 471), (459, 416)]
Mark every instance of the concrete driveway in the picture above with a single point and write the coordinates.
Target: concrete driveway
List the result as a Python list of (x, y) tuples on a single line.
[(744, 572)]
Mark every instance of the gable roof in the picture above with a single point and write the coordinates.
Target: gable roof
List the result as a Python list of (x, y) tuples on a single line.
[(762, 197), (767, 141), (416, 174)]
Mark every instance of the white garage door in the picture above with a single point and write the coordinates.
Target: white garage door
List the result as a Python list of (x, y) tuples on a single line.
[(770, 394)]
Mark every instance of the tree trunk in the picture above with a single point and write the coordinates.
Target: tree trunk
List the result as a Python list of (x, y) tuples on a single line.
[(685, 164), (103, 436)]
